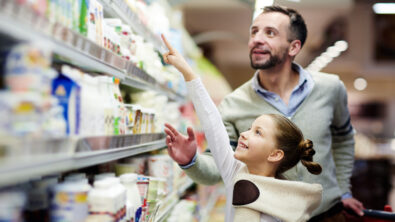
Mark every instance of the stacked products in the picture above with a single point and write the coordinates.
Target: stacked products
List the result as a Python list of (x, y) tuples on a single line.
[(128, 197), (44, 102)]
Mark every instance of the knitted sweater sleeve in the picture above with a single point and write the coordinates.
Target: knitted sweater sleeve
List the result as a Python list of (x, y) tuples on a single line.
[(343, 140), (214, 130)]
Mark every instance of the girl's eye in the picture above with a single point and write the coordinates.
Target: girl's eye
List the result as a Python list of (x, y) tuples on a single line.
[(258, 132)]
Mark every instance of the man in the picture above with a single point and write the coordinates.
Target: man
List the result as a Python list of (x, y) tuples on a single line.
[(316, 102)]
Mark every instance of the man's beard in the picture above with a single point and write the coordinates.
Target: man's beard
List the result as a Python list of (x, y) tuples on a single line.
[(270, 63)]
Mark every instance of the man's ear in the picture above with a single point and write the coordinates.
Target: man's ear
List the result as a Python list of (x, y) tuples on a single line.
[(276, 155), (295, 47)]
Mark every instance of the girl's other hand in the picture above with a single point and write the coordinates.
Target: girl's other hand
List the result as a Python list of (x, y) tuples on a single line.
[(181, 149)]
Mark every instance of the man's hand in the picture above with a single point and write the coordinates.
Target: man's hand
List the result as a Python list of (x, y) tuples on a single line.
[(354, 205), (181, 148)]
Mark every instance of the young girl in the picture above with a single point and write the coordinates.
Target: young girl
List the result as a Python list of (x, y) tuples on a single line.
[(251, 173)]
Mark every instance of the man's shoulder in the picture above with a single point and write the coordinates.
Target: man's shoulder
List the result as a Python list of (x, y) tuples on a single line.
[(325, 78), (243, 92), (242, 97)]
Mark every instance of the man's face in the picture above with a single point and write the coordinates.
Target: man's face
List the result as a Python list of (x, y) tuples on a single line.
[(268, 42)]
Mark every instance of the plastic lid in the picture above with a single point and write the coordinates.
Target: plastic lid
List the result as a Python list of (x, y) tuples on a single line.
[(72, 187), (102, 184), (104, 176), (113, 180), (128, 177)]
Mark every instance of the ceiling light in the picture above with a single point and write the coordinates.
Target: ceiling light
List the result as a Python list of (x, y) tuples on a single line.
[(384, 8), (259, 5), (341, 45), (360, 84)]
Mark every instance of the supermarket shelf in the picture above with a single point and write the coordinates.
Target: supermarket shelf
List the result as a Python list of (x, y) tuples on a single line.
[(119, 9), (85, 152), (21, 23), (143, 85), (162, 216)]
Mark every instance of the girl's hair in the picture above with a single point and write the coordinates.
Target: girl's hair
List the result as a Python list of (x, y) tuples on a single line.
[(289, 138)]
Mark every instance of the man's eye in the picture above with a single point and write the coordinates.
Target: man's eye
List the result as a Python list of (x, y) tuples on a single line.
[(270, 33)]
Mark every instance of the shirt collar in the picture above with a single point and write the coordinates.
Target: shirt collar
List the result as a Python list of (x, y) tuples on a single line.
[(303, 78)]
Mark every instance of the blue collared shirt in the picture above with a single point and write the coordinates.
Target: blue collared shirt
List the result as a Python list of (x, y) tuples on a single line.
[(299, 93)]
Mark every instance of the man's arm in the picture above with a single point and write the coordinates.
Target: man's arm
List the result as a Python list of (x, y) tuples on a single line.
[(203, 169), (343, 149)]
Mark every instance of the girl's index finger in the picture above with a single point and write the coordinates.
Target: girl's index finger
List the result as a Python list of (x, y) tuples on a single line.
[(167, 43)]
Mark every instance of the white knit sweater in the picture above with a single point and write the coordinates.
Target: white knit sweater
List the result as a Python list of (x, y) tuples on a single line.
[(230, 168)]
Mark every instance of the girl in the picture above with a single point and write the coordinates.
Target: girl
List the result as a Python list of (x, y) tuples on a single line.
[(251, 173)]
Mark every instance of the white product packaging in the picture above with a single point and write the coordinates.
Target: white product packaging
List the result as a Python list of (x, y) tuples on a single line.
[(120, 191), (133, 199), (102, 202), (162, 166), (106, 105), (120, 106), (102, 176), (69, 203)]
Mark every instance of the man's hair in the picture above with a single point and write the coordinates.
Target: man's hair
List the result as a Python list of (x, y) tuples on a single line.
[(297, 26)]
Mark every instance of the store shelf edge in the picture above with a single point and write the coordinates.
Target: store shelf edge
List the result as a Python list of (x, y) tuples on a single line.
[(18, 170)]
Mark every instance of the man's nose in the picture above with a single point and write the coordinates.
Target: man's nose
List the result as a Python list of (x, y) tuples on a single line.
[(258, 38)]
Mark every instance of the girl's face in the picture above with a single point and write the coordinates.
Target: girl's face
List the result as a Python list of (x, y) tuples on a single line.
[(256, 144)]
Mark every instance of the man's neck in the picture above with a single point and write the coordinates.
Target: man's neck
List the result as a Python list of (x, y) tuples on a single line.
[(280, 80)]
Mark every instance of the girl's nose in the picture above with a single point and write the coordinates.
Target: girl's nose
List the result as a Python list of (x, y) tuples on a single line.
[(244, 135)]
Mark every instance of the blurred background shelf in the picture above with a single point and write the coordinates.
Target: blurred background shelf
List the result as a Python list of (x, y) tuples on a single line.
[(119, 9), (173, 199)]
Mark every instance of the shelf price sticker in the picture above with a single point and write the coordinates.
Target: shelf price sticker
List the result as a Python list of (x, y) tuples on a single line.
[(79, 42), (86, 46)]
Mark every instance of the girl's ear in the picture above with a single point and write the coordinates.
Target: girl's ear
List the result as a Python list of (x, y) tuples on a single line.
[(276, 155)]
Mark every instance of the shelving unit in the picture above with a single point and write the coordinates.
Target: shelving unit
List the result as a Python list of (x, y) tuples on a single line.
[(76, 153), (23, 24), (27, 160)]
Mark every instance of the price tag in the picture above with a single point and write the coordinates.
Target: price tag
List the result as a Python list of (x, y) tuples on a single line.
[(103, 55), (56, 29), (79, 42), (87, 46), (69, 36)]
